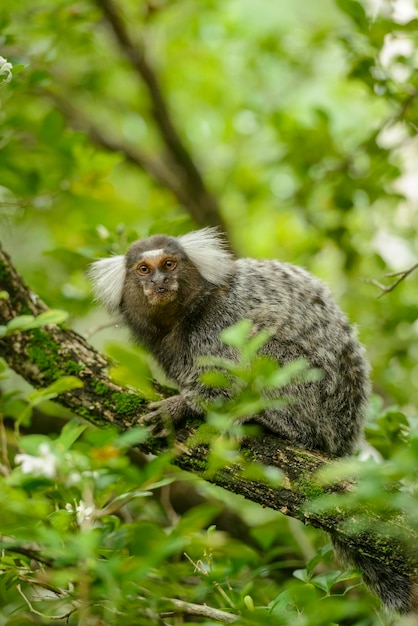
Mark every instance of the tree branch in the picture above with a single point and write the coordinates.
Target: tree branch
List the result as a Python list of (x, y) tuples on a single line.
[(42, 356), (157, 170), (203, 610), (400, 277), (201, 203)]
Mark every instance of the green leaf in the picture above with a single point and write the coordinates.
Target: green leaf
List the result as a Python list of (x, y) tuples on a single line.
[(237, 335), (302, 574), (61, 520), (132, 368), (21, 323), (31, 443), (249, 603), (283, 604), (3, 367), (355, 11), (132, 437), (326, 581), (322, 552), (197, 518), (66, 383), (18, 68), (70, 433), (29, 322), (53, 316), (215, 379)]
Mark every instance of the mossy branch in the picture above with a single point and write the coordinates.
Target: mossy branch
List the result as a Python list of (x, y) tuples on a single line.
[(41, 356)]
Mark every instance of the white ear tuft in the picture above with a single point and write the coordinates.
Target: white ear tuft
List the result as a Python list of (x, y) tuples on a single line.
[(206, 248), (108, 277)]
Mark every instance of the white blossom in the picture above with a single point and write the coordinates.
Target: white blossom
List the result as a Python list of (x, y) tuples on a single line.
[(83, 513), (5, 70), (43, 465), (75, 477)]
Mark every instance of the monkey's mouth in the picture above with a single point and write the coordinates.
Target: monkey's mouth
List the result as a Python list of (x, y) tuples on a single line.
[(160, 295)]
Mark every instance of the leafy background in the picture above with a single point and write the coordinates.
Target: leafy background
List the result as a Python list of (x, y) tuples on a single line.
[(302, 119)]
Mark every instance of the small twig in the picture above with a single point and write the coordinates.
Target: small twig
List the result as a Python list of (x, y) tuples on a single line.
[(32, 610), (189, 608), (31, 550), (88, 334), (387, 288), (4, 471), (199, 567), (5, 466), (37, 584)]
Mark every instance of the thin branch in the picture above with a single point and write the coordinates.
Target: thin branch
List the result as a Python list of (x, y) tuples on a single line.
[(32, 610), (200, 567), (157, 170), (189, 608), (135, 54), (387, 288), (90, 332), (202, 204), (29, 551), (5, 466)]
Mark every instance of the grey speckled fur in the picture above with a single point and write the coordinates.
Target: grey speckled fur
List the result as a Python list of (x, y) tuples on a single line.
[(210, 291)]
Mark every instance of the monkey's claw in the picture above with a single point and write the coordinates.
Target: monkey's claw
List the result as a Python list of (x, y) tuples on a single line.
[(160, 418)]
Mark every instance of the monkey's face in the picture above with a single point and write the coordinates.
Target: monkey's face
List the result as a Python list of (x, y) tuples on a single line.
[(156, 272), (161, 270)]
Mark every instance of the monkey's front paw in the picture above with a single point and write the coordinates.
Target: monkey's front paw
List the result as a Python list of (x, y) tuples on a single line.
[(163, 415), (157, 423)]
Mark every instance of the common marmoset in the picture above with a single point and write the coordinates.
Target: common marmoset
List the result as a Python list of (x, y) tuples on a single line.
[(177, 294)]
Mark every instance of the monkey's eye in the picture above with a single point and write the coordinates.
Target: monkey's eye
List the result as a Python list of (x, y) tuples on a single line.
[(169, 264), (142, 269)]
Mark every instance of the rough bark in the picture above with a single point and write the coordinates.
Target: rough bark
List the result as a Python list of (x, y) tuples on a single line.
[(42, 356)]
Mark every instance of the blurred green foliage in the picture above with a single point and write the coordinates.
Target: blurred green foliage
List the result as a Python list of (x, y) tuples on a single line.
[(302, 119)]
